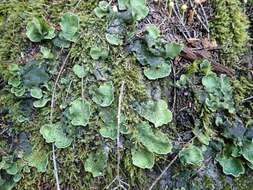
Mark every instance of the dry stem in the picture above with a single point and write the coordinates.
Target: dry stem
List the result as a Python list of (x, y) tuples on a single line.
[(117, 179)]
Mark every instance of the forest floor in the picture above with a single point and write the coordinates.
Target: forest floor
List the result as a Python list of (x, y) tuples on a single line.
[(126, 94)]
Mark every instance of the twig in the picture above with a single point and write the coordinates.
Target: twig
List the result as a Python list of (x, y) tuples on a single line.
[(198, 17), (247, 99), (118, 125), (110, 184), (117, 179), (51, 120), (55, 85), (163, 172), (55, 169), (168, 166), (175, 92), (68, 90), (205, 17), (181, 20), (82, 87), (204, 25), (77, 4), (4, 130)]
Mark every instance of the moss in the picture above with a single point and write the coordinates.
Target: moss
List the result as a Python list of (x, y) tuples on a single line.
[(208, 182), (229, 27), (243, 182), (14, 13), (13, 112), (127, 70), (243, 89), (36, 180)]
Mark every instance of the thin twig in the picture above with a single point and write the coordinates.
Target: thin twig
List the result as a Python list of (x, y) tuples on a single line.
[(198, 17), (117, 179), (68, 90), (110, 184), (55, 168), (4, 130), (247, 99), (181, 20), (55, 86), (205, 17), (77, 5), (163, 172), (118, 125), (82, 87), (51, 120), (175, 92)]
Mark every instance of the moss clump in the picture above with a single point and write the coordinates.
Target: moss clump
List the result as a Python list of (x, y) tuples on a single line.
[(14, 16), (128, 71), (243, 90), (243, 182), (229, 27)]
